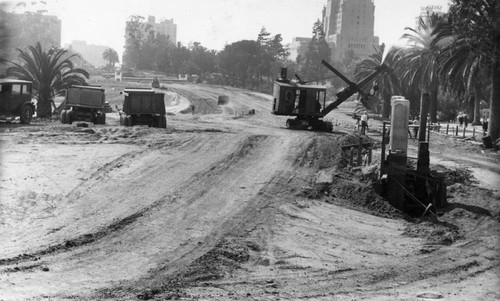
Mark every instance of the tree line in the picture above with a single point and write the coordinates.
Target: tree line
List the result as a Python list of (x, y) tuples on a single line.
[(246, 63)]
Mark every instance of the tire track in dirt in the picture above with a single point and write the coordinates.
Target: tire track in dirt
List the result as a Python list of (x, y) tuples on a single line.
[(202, 105), (232, 196), (115, 184), (258, 209), (168, 214), (96, 177)]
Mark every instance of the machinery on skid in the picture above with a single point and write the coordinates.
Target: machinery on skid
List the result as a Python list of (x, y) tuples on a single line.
[(308, 103)]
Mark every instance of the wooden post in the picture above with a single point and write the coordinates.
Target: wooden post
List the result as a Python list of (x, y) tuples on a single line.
[(447, 128), (473, 132), (351, 154), (429, 131), (456, 131), (396, 173), (382, 151), (423, 160), (463, 134), (360, 150), (424, 109), (370, 155)]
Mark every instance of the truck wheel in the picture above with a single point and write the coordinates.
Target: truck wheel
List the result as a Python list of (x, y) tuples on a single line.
[(103, 118), (26, 114), (96, 119), (157, 122), (128, 121), (328, 126), (69, 117), (63, 116), (163, 122)]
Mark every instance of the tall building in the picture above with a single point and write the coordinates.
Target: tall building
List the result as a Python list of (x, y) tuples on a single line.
[(298, 47), (29, 28), (426, 12), (138, 30), (166, 27), (349, 26), (90, 53)]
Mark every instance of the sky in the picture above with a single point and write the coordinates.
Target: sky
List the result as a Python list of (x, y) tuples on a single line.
[(213, 23)]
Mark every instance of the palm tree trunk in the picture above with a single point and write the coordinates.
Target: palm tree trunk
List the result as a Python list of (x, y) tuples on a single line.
[(386, 109), (44, 108), (477, 109), (494, 124), (471, 107), (434, 104)]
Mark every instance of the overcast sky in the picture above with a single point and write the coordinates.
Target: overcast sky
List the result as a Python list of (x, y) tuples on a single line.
[(214, 23)]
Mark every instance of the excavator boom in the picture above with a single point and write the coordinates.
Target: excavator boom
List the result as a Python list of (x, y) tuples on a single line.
[(352, 87), (307, 103)]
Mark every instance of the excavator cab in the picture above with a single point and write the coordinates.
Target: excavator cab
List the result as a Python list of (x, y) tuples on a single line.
[(298, 100), (307, 103)]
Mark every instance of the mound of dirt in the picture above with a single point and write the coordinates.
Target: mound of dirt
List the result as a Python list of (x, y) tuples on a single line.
[(218, 263), (357, 194), (228, 255), (344, 186)]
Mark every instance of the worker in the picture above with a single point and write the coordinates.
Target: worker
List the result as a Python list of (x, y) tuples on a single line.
[(416, 124), (364, 123), (485, 125), (355, 116)]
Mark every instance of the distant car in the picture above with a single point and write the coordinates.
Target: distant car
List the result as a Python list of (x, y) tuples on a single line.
[(15, 99)]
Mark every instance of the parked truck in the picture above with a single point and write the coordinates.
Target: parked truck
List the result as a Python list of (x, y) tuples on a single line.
[(84, 103), (143, 107)]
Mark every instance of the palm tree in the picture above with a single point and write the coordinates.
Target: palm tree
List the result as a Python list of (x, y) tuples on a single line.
[(463, 72), (111, 56), (418, 64), (51, 72), (478, 23), (4, 33), (388, 82)]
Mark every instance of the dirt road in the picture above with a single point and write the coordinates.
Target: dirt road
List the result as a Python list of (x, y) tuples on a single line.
[(223, 205)]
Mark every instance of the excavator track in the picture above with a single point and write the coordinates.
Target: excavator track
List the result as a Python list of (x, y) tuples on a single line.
[(315, 124)]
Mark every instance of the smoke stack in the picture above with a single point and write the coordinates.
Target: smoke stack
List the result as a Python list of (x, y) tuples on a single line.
[(283, 74)]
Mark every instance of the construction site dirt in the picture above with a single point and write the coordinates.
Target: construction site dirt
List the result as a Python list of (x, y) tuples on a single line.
[(228, 206)]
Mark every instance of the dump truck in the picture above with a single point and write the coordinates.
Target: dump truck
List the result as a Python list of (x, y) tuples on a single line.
[(84, 103), (308, 103), (143, 106), (16, 99)]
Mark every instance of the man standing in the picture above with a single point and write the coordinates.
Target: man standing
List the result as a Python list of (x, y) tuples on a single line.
[(364, 123)]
